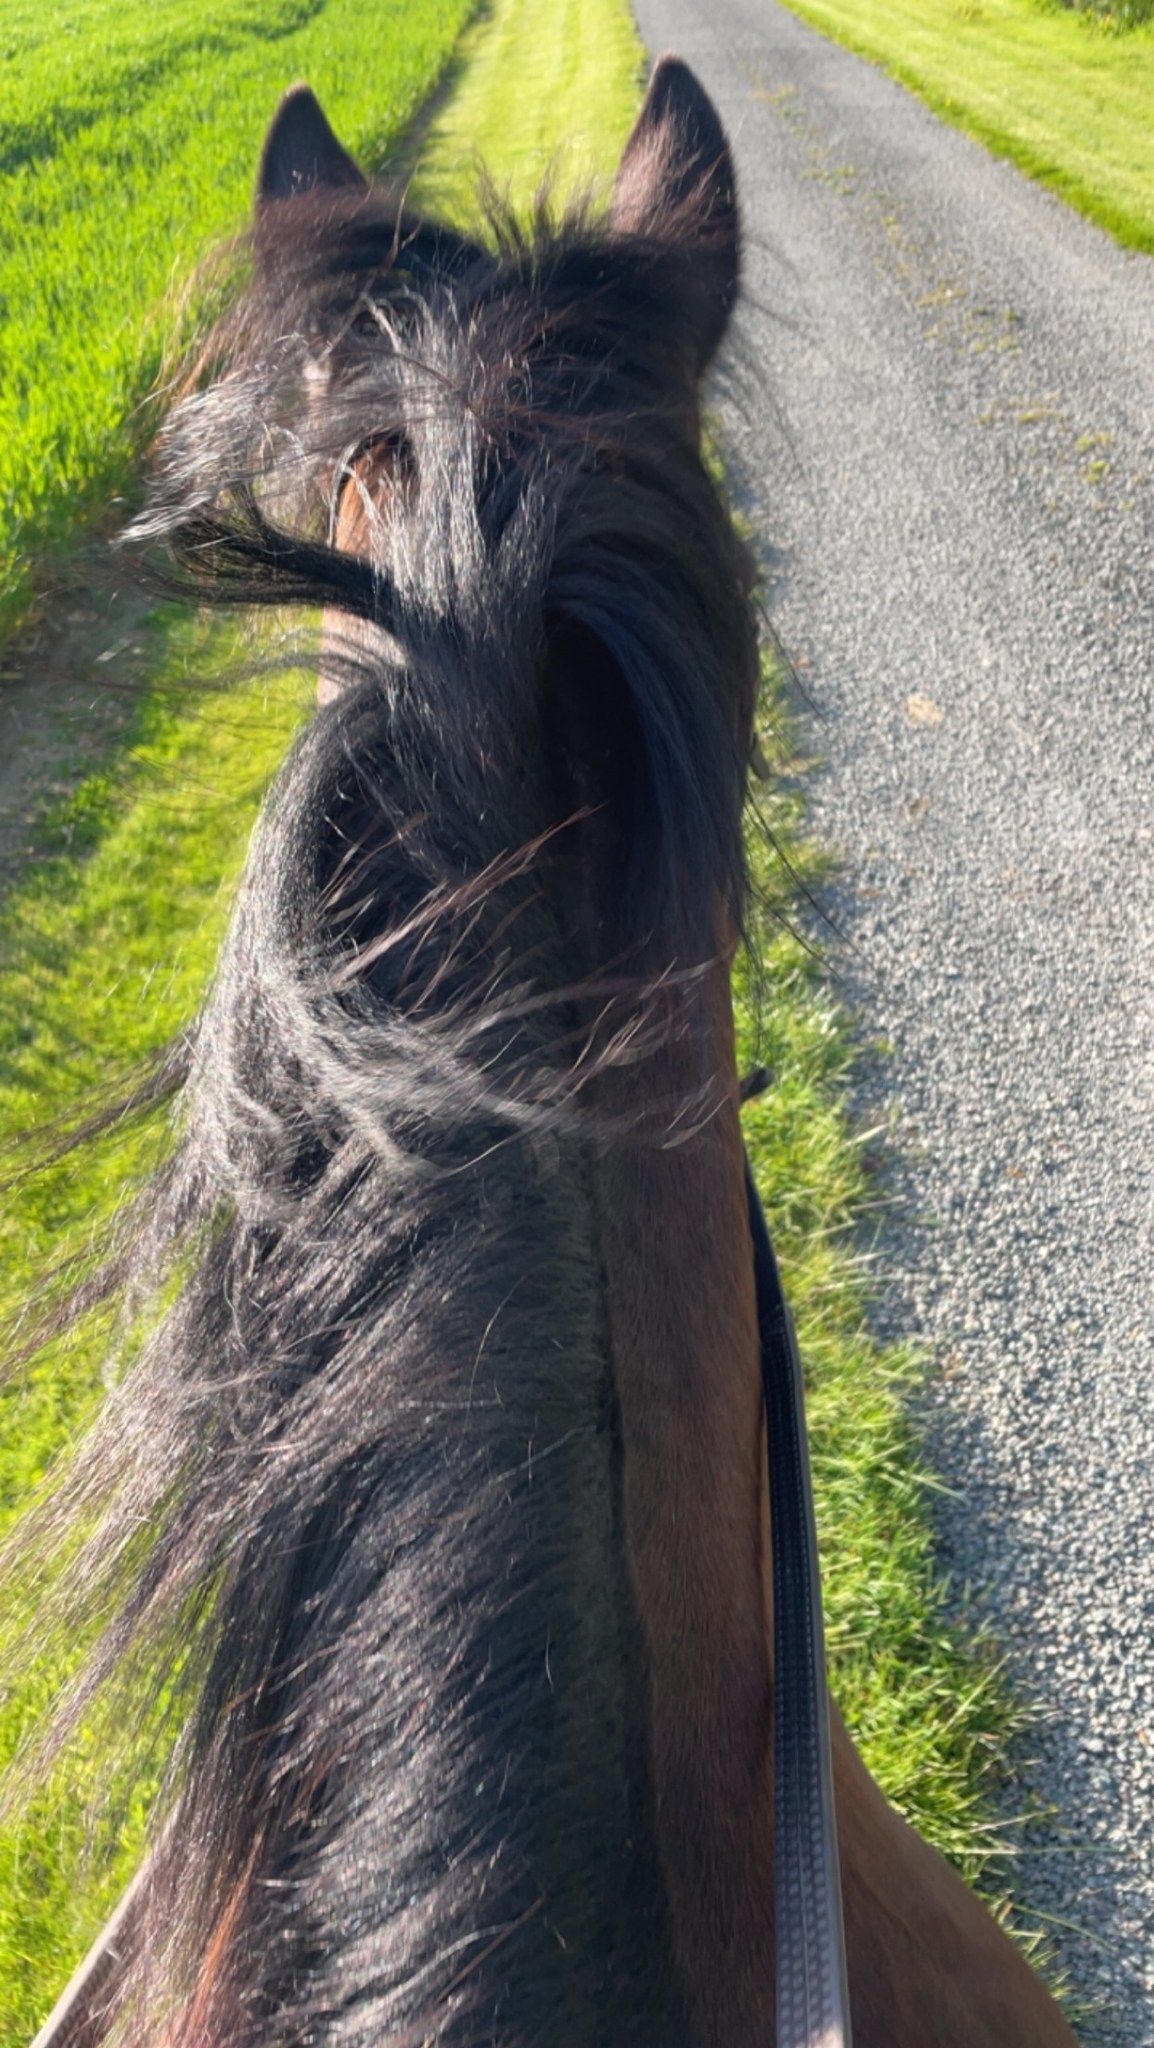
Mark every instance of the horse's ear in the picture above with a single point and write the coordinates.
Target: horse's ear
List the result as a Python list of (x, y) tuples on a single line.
[(676, 183), (301, 153)]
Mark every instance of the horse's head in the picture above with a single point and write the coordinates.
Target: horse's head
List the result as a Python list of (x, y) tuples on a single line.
[(454, 1430), (493, 452)]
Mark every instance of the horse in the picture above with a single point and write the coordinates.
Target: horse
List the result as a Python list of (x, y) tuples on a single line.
[(433, 1484)]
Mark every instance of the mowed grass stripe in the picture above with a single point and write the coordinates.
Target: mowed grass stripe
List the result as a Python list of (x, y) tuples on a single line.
[(106, 946), (535, 107), (105, 949), (1066, 95), (129, 131)]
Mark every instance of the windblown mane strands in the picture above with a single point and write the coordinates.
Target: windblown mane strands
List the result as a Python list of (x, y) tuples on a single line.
[(360, 1483)]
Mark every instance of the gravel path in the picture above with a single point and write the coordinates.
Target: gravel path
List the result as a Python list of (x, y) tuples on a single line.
[(948, 440)]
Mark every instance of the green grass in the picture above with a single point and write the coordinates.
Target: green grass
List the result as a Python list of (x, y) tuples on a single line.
[(104, 952), (108, 940), (929, 1713), (543, 93), (1064, 94), (129, 132)]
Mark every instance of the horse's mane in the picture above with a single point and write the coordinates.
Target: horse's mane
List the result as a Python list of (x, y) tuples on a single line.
[(550, 487), (353, 1495)]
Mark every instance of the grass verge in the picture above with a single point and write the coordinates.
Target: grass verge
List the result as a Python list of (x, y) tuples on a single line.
[(104, 951), (1064, 94), (542, 94), (107, 943), (929, 1712), (128, 142)]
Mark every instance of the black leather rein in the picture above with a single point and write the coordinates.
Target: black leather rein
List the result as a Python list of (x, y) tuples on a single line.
[(812, 2000)]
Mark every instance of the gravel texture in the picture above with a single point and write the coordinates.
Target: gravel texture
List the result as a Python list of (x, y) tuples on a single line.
[(944, 431)]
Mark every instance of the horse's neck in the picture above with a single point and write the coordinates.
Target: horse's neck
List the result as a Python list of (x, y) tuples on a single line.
[(683, 1336), (477, 1657)]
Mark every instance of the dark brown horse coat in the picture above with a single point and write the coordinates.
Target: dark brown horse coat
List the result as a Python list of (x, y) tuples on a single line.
[(440, 1460)]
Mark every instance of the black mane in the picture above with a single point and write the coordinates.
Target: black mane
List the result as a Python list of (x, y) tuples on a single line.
[(553, 486), (358, 1480)]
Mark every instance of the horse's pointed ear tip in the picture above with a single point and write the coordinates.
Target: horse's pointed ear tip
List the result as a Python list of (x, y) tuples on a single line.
[(298, 99), (300, 149), (676, 103), (669, 69), (299, 93), (673, 81)]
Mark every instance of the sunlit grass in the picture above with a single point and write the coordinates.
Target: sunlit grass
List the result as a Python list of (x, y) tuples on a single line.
[(1067, 95), (930, 1714), (129, 132), (104, 952), (534, 107)]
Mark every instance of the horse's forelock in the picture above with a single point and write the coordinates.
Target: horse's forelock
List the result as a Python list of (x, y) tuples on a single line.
[(548, 434)]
